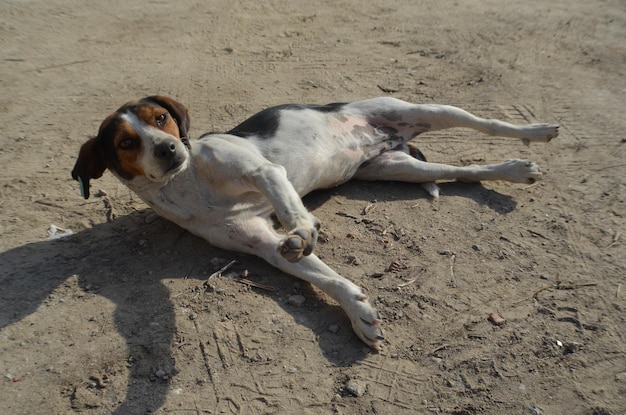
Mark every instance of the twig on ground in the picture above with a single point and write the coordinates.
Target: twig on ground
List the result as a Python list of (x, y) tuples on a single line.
[(557, 287), (404, 284), (255, 284), (530, 185), (209, 285), (111, 213), (440, 348), (220, 271), (452, 279), (615, 239)]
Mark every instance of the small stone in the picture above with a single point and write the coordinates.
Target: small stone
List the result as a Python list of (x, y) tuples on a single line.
[(477, 247), (496, 319), (333, 328), (296, 300), (292, 370), (354, 260), (571, 347), (534, 410), (193, 316), (356, 388), (161, 373)]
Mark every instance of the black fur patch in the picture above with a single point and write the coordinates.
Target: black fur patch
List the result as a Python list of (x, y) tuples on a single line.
[(415, 152), (266, 122)]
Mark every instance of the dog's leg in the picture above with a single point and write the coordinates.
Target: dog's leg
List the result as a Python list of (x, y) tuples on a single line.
[(410, 120), (256, 236), (400, 166), (272, 181), (445, 116), (430, 187)]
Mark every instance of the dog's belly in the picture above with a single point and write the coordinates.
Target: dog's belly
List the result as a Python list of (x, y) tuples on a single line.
[(327, 153)]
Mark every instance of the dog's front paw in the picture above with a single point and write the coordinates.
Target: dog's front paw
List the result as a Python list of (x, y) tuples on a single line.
[(366, 321), (298, 243)]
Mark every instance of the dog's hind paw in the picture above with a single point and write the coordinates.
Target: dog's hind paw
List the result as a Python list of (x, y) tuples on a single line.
[(298, 243), (540, 132), (521, 171)]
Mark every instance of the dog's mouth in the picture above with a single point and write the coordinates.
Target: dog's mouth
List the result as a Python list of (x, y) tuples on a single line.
[(185, 141), (176, 165)]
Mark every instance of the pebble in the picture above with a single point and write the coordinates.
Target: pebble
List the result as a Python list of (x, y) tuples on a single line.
[(356, 388), (533, 409), (296, 300), (496, 319), (333, 328), (354, 260), (477, 247)]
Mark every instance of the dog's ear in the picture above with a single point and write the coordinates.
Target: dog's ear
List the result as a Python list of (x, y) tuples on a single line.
[(176, 110), (90, 164)]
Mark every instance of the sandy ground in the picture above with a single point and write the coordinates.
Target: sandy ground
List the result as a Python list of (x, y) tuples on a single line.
[(118, 318)]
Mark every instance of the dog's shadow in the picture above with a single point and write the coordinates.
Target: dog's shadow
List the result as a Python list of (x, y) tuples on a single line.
[(379, 190), (127, 260)]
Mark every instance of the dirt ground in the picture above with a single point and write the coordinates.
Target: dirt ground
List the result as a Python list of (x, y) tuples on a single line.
[(119, 317)]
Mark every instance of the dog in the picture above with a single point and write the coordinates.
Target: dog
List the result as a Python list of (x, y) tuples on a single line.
[(224, 187)]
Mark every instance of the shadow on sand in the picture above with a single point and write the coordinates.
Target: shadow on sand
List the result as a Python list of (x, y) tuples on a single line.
[(127, 260)]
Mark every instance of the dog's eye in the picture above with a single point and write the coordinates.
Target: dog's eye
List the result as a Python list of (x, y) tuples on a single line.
[(161, 119), (128, 144)]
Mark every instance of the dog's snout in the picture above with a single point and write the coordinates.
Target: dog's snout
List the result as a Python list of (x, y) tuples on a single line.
[(165, 149)]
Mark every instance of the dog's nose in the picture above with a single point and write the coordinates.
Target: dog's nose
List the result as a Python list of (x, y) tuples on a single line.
[(165, 149)]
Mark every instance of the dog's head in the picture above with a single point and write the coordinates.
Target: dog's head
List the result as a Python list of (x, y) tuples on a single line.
[(142, 138)]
